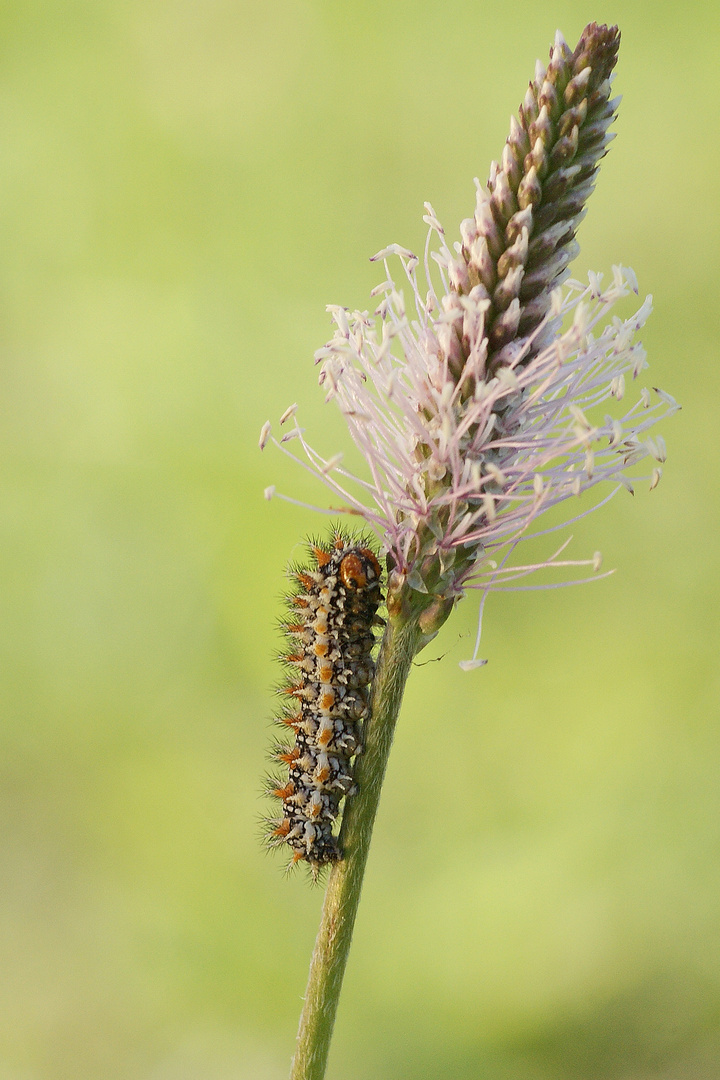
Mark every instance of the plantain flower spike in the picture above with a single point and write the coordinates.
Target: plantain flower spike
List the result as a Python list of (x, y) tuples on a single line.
[(495, 393)]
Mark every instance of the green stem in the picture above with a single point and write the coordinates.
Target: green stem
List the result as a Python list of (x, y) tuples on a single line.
[(399, 646)]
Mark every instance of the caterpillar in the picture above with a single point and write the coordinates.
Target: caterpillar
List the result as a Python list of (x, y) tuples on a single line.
[(330, 629)]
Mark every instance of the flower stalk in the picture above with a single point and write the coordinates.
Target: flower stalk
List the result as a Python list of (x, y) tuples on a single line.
[(493, 395), (342, 896)]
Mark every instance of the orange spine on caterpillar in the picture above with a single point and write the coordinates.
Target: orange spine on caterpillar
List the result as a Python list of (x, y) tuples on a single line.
[(333, 613)]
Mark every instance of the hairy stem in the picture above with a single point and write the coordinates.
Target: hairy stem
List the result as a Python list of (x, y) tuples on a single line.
[(400, 644)]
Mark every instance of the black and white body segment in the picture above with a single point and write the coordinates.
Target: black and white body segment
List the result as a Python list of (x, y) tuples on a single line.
[(330, 629)]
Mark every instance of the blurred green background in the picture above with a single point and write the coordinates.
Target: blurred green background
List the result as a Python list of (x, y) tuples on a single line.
[(184, 185)]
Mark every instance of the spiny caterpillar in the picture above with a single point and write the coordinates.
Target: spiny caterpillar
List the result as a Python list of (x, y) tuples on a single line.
[(330, 628)]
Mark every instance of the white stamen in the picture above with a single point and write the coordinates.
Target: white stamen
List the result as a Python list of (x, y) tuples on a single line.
[(471, 665), (332, 463), (265, 434)]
